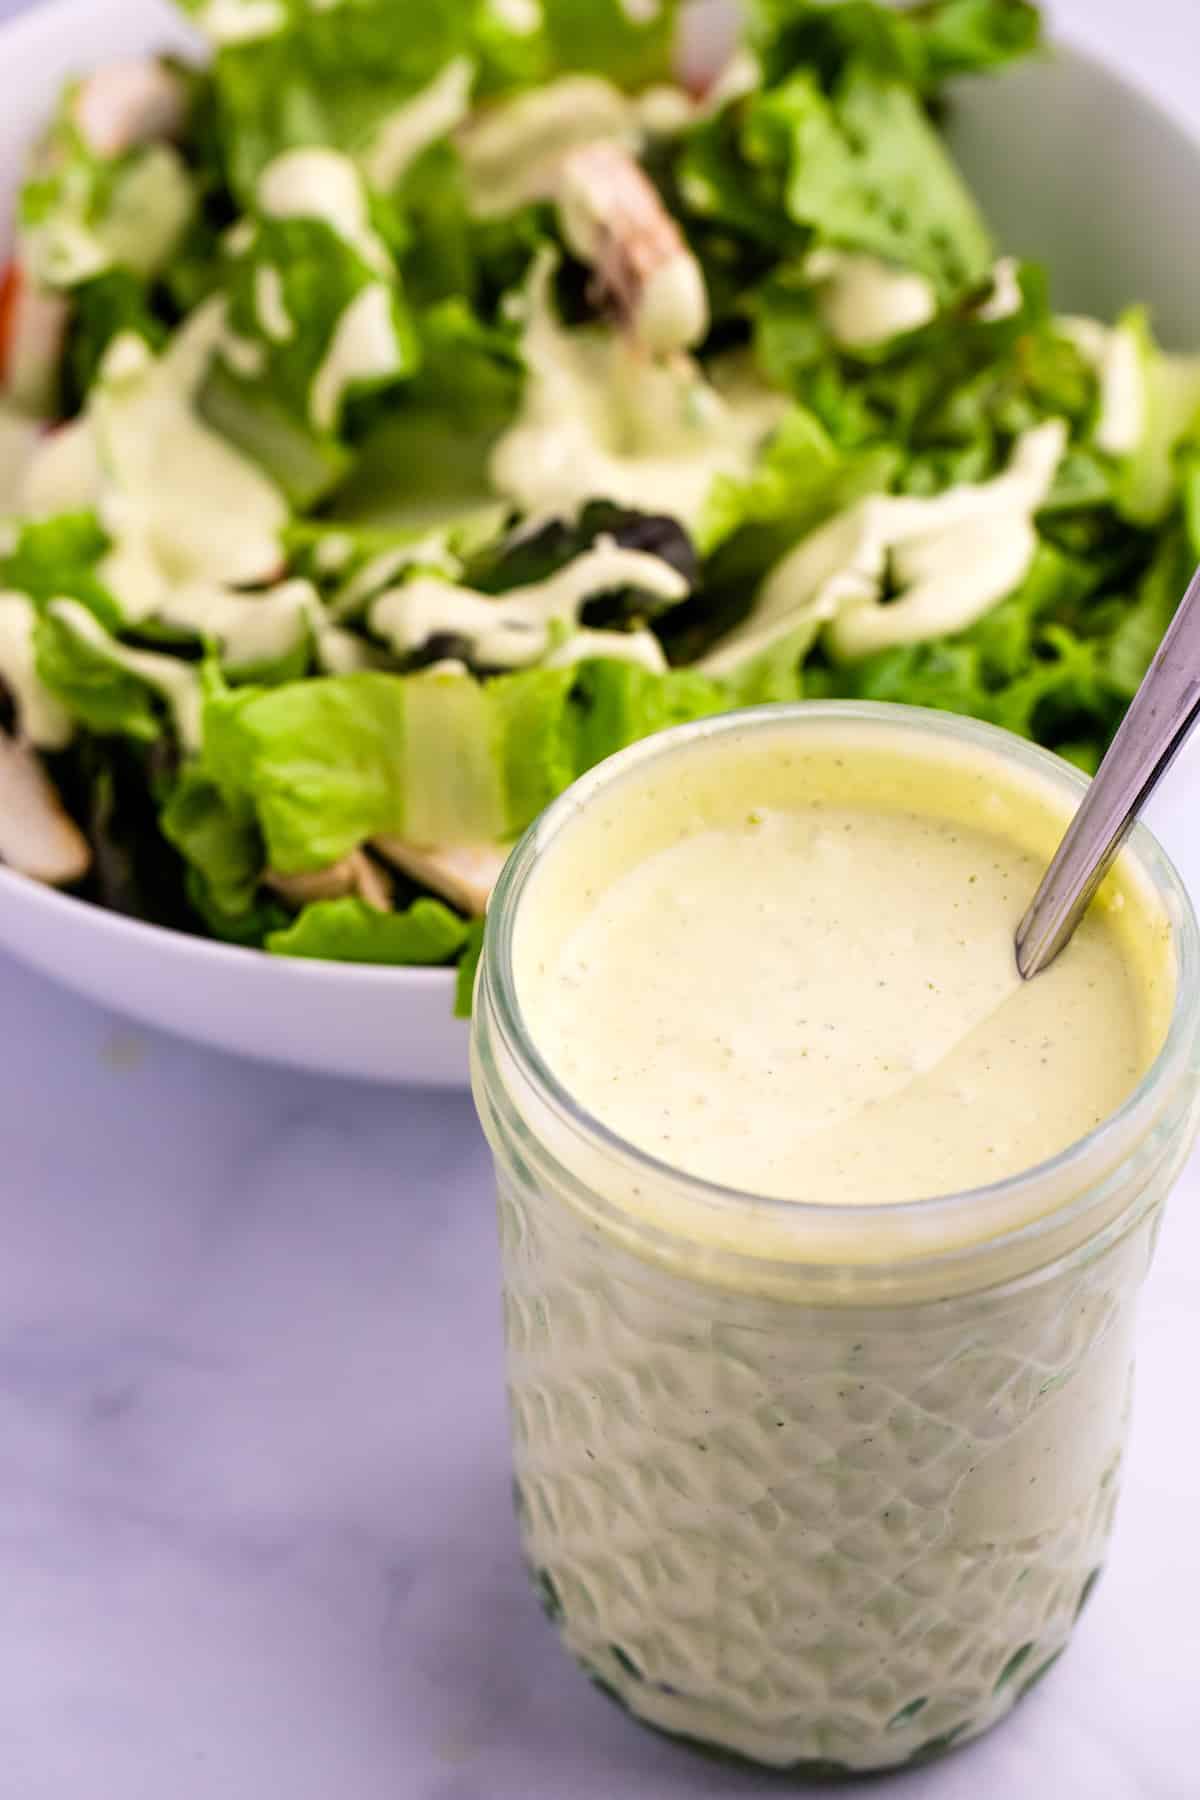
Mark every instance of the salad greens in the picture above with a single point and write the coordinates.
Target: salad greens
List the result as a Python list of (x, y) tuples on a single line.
[(436, 411)]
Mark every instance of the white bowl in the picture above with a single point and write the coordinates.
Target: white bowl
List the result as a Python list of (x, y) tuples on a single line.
[(1075, 168)]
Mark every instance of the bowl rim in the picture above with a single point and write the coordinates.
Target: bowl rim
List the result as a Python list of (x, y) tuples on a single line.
[(22, 35)]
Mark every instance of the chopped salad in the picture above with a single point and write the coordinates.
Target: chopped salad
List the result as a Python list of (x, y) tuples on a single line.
[(397, 419)]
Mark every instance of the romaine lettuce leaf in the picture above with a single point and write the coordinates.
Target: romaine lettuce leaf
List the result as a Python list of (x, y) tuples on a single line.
[(96, 692), (289, 294), (50, 558), (615, 704), (324, 75), (424, 461), (218, 837), (350, 931), (436, 759)]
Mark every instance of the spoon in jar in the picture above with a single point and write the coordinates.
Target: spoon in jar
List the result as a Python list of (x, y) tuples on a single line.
[(1164, 710)]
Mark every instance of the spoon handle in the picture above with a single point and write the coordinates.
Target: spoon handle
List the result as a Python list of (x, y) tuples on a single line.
[(1152, 734)]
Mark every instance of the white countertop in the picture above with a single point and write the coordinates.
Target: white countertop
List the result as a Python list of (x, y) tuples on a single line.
[(255, 1534)]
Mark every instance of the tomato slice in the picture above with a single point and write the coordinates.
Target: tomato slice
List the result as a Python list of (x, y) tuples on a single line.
[(10, 289)]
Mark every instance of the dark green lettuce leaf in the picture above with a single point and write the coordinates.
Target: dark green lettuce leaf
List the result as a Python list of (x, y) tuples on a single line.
[(861, 168), (922, 45)]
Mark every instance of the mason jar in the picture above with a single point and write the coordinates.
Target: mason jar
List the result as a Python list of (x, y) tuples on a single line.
[(834, 1503)]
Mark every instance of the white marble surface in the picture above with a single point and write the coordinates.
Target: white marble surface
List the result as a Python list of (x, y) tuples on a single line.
[(255, 1538)]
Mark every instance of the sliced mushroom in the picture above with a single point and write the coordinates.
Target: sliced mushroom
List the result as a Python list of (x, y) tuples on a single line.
[(613, 219), (464, 874), (355, 876), (37, 834), (127, 103)]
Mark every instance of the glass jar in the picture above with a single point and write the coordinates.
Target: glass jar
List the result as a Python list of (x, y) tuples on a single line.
[(838, 1507)]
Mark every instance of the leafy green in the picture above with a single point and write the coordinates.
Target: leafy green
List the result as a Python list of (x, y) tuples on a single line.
[(328, 77), (82, 211), (424, 461), (434, 758), (617, 703), (1138, 629), (218, 837), (468, 967), (351, 931), (317, 275), (95, 691), (1147, 482), (50, 558), (103, 307), (859, 168), (923, 45)]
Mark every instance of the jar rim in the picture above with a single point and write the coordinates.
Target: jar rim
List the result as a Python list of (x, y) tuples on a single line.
[(1102, 1147)]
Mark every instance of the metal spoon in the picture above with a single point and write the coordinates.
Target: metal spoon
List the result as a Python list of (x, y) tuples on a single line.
[(1155, 728)]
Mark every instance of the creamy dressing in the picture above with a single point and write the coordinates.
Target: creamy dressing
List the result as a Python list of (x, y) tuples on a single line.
[(522, 16), (512, 630), (1115, 355), (379, 571), (512, 152), (952, 558), (177, 682), (325, 185), (410, 130), (868, 1038), (245, 356), (180, 502), (1006, 299), (852, 1050), (242, 21), (600, 420), (865, 301), (41, 720), (270, 306), (247, 628), (640, 647), (364, 347)]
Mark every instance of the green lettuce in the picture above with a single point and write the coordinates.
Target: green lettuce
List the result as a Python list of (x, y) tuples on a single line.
[(47, 559), (315, 276), (351, 931), (923, 45), (434, 758), (326, 75), (100, 695), (861, 168), (82, 212)]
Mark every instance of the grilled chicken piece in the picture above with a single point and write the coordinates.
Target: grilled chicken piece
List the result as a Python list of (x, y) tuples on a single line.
[(613, 219), (37, 834), (129, 103), (356, 875), (464, 874)]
